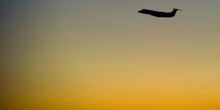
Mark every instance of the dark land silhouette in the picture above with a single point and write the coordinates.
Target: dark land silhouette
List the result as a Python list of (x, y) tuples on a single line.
[(159, 13)]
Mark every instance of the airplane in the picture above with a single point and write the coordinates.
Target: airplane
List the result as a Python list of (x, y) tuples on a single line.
[(158, 13)]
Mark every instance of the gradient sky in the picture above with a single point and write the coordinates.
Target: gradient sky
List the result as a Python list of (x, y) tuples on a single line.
[(103, 55)]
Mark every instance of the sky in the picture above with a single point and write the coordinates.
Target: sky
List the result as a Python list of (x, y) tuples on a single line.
[(103, 55)]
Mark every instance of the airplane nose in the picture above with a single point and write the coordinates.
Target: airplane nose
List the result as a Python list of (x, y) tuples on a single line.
[(140, 11)]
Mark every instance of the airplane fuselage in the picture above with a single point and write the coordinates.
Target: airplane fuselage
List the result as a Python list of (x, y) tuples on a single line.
[(158, 13)]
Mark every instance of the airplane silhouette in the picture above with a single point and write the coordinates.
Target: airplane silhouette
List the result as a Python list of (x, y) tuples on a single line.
[(159, 14)]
